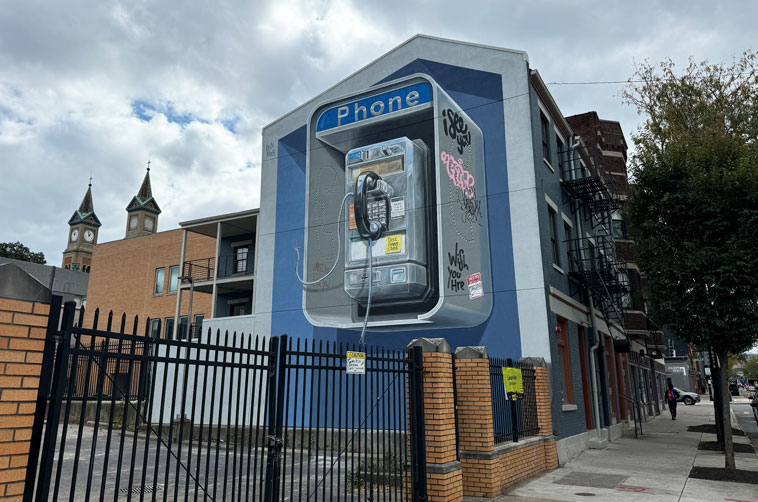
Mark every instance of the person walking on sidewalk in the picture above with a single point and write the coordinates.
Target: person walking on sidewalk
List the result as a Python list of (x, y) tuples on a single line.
[(671, 396)]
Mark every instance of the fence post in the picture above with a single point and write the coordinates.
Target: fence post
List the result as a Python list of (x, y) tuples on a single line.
[(444, 476), (544, 412), (476, 425), (512, 400), (275, 416), (54, 408), (45, 380), (416, 416)]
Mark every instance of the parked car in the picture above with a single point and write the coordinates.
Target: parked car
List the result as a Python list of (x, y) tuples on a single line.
[(688, 398)]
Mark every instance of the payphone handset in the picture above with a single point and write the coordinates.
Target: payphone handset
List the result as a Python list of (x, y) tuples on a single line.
[(371, 216), (389, 207)]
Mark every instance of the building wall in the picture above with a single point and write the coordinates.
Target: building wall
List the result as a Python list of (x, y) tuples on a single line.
[(568, 420), (492, 85), (123, 275)]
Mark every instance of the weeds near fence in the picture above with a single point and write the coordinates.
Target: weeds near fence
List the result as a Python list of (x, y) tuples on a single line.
[(385, 471)]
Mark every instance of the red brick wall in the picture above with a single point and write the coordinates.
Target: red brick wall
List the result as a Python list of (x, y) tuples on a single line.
[(489, 477), (475, 423), (439, 426), (22, 340), (123, 275)]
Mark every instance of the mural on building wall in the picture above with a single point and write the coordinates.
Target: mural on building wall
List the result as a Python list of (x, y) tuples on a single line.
[(411, 164)]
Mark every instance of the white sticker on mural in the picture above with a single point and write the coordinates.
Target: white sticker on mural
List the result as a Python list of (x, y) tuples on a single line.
[(475, 288)]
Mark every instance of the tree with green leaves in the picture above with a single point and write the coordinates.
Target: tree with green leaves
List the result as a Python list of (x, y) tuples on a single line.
[(750, 367), (18, 251), (693, 210)]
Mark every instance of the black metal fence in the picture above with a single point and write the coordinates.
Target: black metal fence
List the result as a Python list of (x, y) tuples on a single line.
[(514, 415), (226, 417)]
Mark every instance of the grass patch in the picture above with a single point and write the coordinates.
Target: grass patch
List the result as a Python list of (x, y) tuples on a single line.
[(385, 471)]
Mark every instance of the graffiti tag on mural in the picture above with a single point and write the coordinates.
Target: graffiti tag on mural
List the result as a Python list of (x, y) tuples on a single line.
[(471, 209), (460, 177), (456, 265), (321, 269), (456, 128), (270, 150)]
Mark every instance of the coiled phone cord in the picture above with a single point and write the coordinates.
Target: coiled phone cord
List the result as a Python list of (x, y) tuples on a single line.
[(339, 249), (370, 282)]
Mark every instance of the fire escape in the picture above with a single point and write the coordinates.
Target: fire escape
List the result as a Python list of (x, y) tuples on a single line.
[(594, 264)]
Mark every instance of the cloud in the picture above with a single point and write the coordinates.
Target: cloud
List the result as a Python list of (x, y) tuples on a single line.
[(99, 88)]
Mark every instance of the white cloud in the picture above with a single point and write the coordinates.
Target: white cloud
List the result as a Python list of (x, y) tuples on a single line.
[(208, 75)]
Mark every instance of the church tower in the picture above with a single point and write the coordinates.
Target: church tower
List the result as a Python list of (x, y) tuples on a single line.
[(82, 235), (142, 212)]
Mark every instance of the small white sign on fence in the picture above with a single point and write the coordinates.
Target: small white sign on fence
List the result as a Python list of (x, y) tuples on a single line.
[(356, 363)]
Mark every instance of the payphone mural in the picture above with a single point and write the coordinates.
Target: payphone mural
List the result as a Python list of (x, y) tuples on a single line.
[(396, 227)]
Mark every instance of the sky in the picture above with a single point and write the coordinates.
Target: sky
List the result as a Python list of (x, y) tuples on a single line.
[(99, 88)]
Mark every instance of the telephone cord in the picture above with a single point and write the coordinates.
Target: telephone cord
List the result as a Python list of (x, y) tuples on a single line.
[(339, 249), (370, 282)]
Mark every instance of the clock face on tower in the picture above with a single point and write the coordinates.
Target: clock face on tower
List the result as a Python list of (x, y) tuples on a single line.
[(74, 234), (89, 235)]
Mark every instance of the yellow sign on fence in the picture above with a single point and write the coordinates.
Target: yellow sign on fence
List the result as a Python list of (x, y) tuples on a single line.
[(514, 382)]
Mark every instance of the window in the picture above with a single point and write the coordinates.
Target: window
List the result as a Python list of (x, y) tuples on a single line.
[(149, 223), (619, 225), (155, 328), (197, 329), (181, 333), (169, 332), (133, 220), (173, 279), (238, 309), (567, 389), (160, 275), (626, 298), (240, 259), (569, 246), (562, 164), (545, 137), (554, 235)]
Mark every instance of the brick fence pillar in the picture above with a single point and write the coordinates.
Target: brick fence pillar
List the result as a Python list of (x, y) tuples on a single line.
[(443, 470), (22, 340), (544, 413), (476, 434)]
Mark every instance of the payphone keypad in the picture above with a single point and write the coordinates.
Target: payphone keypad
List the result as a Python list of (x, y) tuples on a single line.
[(377, 211)]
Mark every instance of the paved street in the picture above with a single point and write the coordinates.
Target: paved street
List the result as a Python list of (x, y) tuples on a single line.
[(653, 468), (302, 473)]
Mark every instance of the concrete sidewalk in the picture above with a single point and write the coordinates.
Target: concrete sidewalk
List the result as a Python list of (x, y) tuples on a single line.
[(653, 468)]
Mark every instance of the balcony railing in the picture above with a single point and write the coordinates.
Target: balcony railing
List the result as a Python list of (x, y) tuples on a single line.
[(205, 269), (200, 270)]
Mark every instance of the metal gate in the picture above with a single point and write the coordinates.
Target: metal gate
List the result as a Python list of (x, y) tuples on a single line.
[(123, 416)]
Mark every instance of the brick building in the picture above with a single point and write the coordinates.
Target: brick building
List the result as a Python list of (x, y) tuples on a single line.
[(140, 276), (202, 270)]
